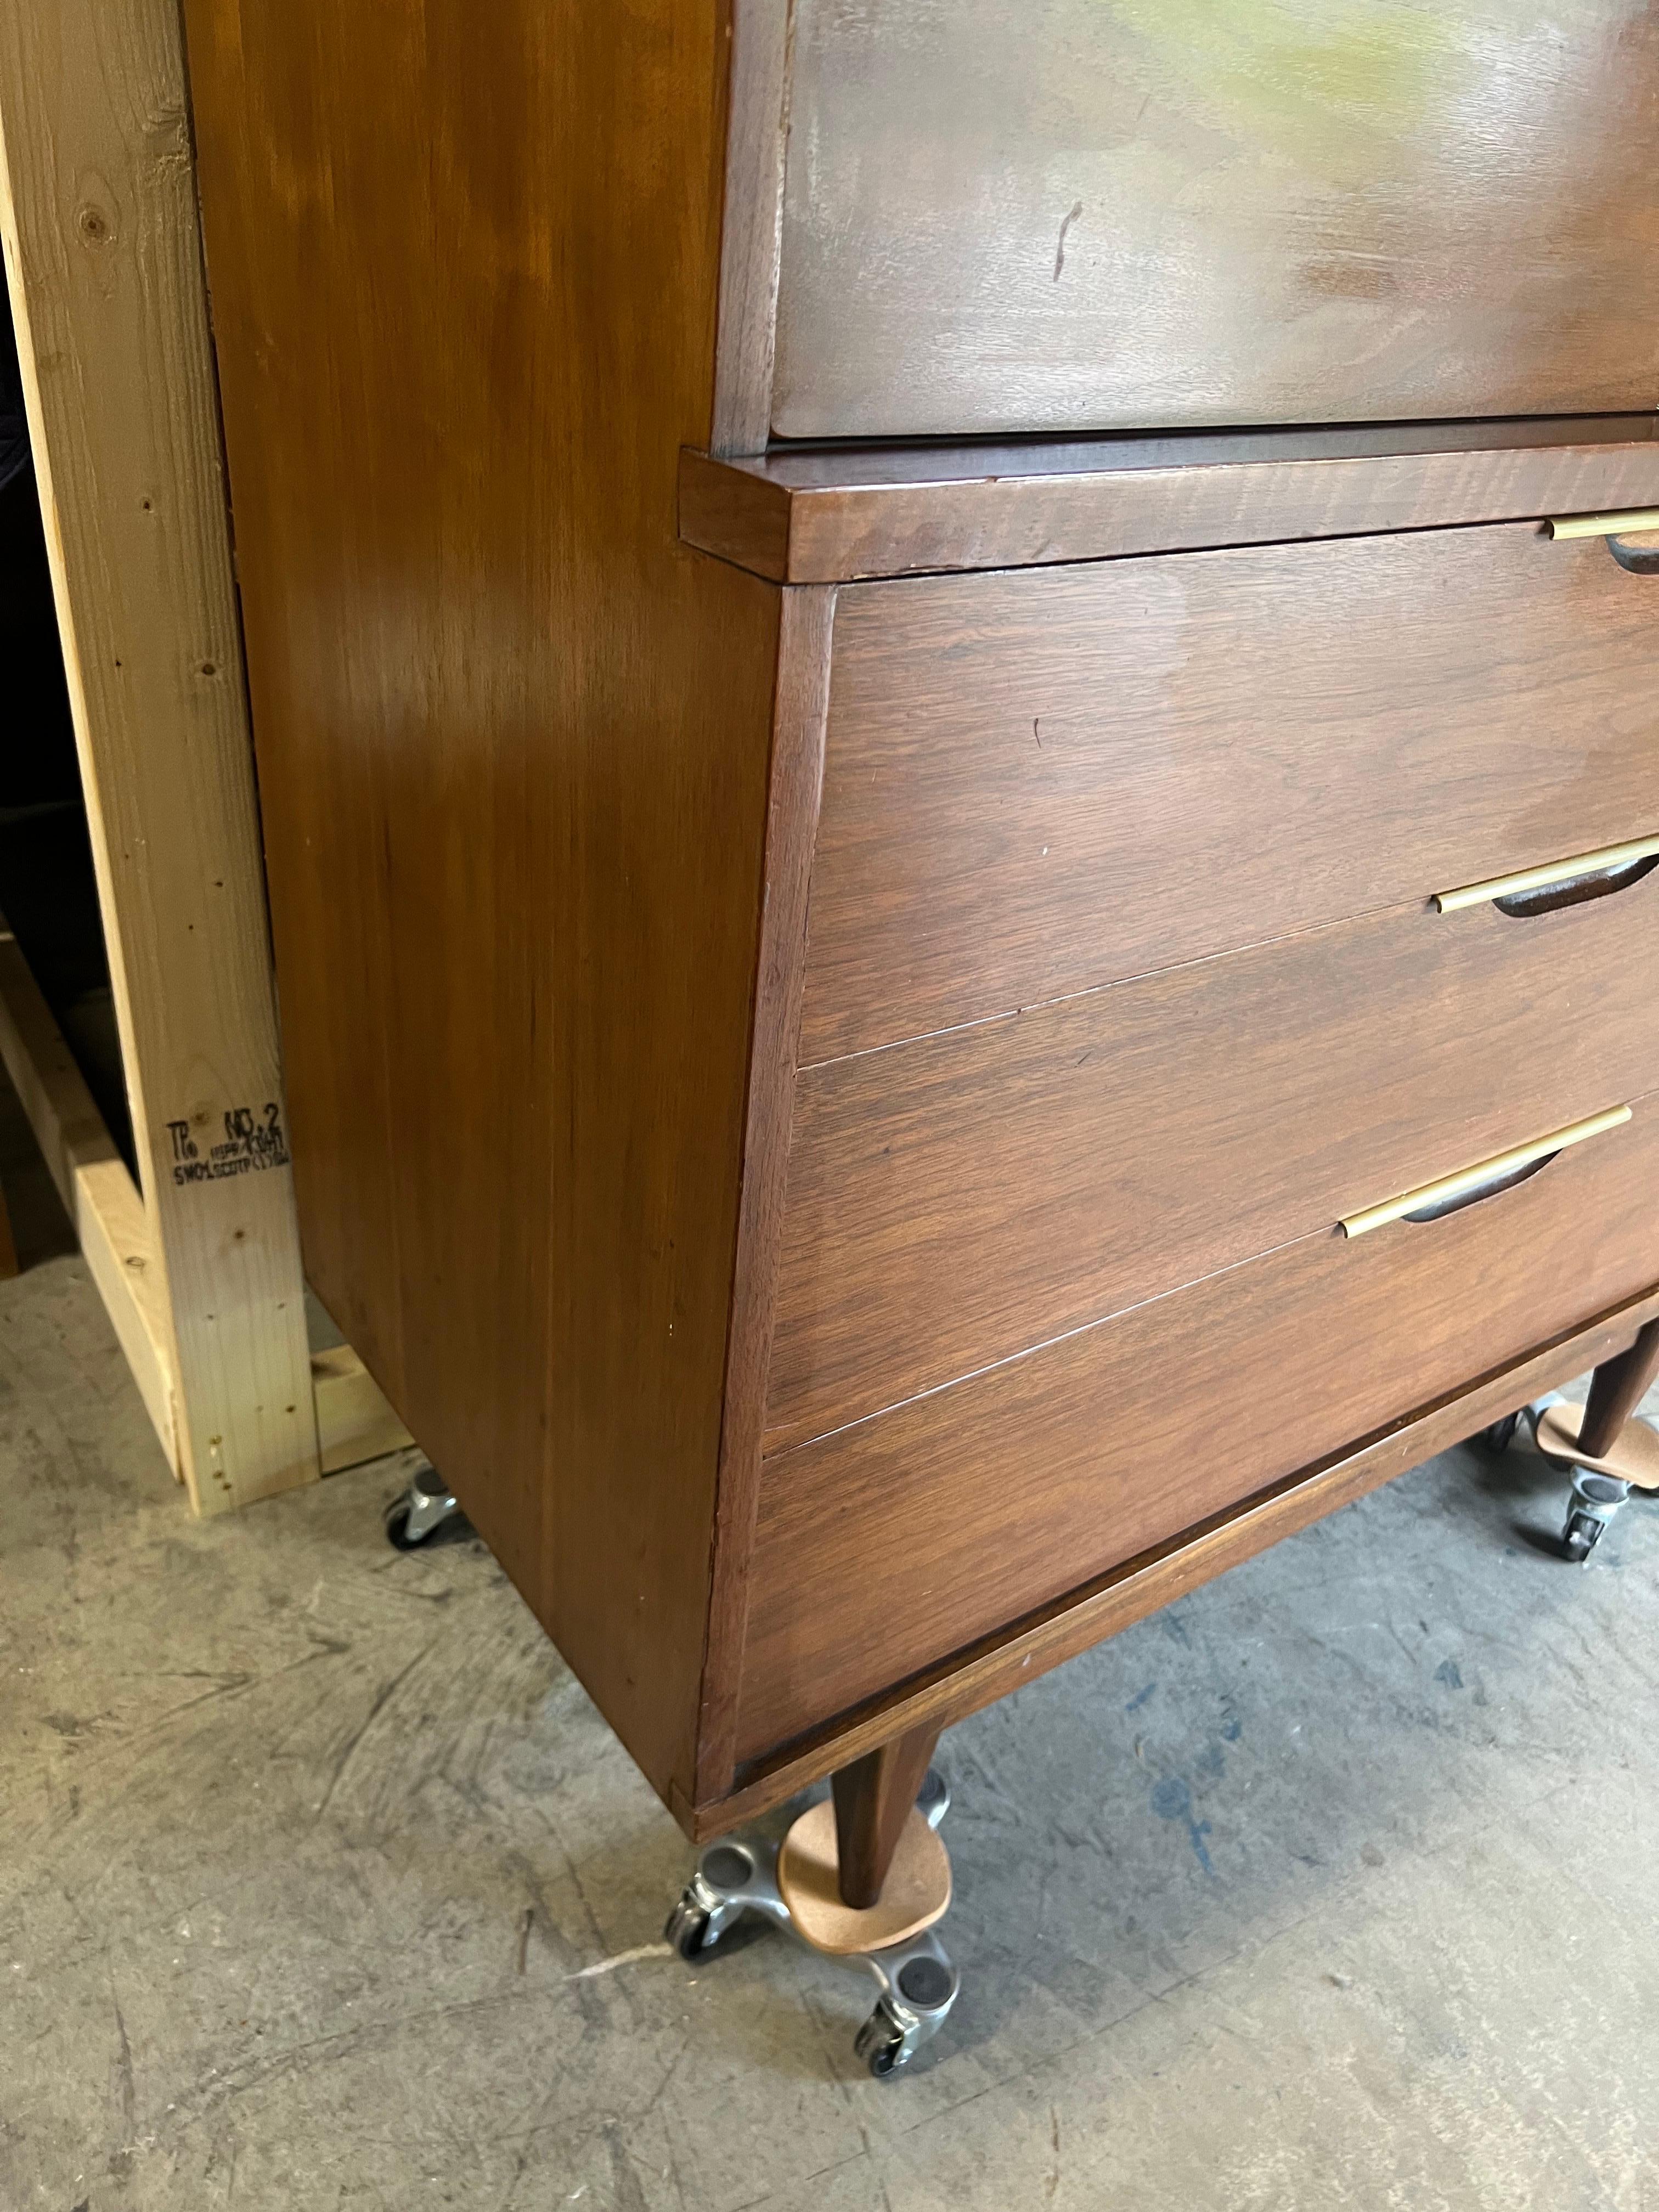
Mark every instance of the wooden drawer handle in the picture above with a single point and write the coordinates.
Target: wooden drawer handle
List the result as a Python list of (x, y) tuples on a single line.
[(1640, 560), (1562, 883), (1431, 1200)]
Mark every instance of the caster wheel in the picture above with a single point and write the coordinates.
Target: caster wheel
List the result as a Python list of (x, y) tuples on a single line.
[(879, 2044), (687, 1929), (397, 1529), (424, 1516), (1580, 1537), (1500, 1435)]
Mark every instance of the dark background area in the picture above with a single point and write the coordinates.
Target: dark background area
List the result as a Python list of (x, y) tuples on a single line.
[(48, 892)]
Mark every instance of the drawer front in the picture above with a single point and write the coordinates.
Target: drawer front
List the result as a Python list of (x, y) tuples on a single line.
[(1064, 214), (956, 1200), (886, 1549), (1038, 782)]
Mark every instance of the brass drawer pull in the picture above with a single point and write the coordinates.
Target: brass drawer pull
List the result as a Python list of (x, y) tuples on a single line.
[(1603, 525), (1432, 1199), (1577, 876), (1640, 560)]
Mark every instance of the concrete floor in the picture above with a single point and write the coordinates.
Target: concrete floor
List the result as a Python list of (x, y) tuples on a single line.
[(319, 1877)]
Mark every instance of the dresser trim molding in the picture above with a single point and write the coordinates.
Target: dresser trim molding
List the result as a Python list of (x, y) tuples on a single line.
[(756, 131), (823, 516), (800, 716)]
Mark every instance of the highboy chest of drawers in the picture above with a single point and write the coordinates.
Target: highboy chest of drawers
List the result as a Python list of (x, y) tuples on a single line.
[(957, 725)]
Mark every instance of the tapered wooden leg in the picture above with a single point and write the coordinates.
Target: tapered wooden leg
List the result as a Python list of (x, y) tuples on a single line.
[(873, 1798), (1616, 1391)]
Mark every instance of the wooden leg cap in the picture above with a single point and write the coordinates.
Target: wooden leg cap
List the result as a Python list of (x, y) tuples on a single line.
[(1634, 1457), (917, 1892)]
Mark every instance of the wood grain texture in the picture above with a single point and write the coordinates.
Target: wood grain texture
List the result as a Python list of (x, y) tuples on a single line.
[(1064, 215), (353, 1421), (882, 1550), (978, 1674), (1617, 1389), (514, 742), (1038, 783), (756, 127), (103, 255), (734, 511), (956, 1200), (834, 515), (99, 1194), (797, 774), (874, 1796)]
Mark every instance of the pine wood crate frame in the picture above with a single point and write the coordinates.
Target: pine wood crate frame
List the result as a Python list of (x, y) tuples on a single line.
[(199, 1261)]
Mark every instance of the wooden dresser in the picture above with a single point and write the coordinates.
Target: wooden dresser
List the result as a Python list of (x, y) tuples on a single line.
[(874, 629)]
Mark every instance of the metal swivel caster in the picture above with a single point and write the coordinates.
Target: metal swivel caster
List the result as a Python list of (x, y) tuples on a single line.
[(1594, 1501), (1597, 1494), (427, 1505), (729, 1883), (917, 1983), (1599, 1486), (919, 1987)]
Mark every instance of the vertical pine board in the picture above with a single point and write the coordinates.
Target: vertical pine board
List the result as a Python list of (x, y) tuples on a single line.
[(103, 259)]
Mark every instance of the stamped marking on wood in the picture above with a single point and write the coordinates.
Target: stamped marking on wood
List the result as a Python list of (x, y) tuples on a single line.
[(254, 1138)]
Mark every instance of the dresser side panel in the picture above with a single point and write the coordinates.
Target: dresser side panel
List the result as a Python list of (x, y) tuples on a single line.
[(513, 742)]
